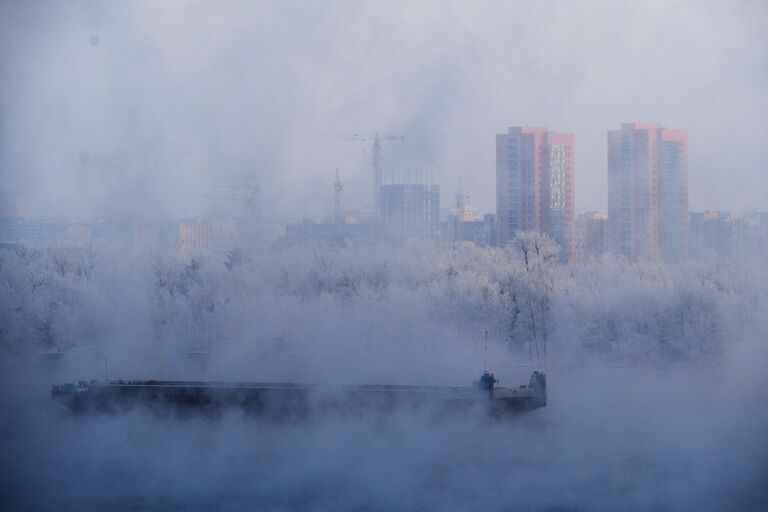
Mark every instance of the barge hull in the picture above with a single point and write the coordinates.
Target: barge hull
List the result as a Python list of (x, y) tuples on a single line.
[(294, 400)]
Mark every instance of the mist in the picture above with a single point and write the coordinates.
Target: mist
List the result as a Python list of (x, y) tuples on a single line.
[(122, 122), (137, 109), (656, 383)]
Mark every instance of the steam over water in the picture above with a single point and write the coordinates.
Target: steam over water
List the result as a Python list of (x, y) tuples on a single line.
[(672, 439), (656, 381), (154, 150)]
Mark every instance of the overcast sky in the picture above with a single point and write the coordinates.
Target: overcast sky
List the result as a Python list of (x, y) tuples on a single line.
[(137, 109)]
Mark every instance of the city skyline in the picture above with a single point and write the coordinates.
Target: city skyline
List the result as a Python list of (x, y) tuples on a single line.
[(115, 123), (469, 185), (647, 217)]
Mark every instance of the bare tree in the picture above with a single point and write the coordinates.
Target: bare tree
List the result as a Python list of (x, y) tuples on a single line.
[(60, 258), (88, 258), (538, 254)]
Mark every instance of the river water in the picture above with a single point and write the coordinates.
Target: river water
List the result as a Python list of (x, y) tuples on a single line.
[(610, 439)]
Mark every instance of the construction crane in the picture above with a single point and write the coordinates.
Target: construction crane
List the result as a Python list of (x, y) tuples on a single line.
[(460, 205), (338, 189), (376, 138), (460, 214)]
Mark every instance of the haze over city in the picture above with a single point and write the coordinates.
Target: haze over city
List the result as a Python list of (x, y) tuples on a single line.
[(425, 255), (164, 99)]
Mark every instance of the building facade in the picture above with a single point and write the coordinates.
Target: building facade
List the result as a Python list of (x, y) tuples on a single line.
[(206, 233), (716, 235), (535, 185), (409, 210), (590, 235), (648, 192)]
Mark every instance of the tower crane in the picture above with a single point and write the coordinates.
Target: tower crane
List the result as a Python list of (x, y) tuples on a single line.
[(376, 138), (338, 189), (460, 214), (460, 205)]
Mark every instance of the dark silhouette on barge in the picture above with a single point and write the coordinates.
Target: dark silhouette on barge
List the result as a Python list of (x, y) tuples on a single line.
[(298, 400)]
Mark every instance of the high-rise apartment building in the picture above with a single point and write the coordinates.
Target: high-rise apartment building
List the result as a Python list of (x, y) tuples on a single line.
[(590, 235), (534, 185), (648, 192)]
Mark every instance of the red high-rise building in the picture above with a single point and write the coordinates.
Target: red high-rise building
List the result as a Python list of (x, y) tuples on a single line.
[(648, 192), (535, 185)]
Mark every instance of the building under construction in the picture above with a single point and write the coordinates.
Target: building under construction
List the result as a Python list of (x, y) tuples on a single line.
[(404, 204), (409, 210)]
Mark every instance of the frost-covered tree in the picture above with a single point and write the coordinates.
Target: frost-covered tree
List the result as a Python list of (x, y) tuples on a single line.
[(535, 283), (61, 297)]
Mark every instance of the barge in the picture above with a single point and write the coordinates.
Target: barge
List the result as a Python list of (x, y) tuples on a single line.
[(295, 400)]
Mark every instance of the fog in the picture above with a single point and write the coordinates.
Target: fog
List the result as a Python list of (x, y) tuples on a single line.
[(670, 450), (122, 110), (137, 111), (656, 381)]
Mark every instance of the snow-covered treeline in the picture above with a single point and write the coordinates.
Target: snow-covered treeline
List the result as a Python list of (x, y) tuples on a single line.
[(65, 298)]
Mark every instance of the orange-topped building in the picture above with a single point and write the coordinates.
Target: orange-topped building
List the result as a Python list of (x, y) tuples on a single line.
[(535, 185), (647, 192)]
